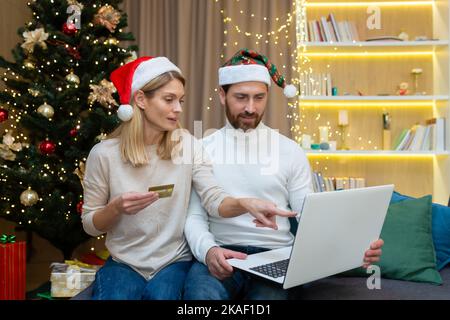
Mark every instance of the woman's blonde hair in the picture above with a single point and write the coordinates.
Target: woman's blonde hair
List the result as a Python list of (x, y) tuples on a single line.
[(131, 133)]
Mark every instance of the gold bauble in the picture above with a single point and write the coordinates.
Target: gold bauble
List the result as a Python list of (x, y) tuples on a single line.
[(46, 110), (29, 197), (73, 78), (29, 64)]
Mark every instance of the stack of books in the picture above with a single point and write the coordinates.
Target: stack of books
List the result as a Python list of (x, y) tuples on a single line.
[(328, 29), (322, 184), (428, 137), (316, 84)]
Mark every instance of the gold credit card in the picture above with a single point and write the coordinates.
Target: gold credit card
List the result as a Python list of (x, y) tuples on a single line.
[(163, 191)]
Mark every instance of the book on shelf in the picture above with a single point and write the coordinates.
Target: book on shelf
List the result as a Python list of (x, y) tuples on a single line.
[(316, 84), (327, 29), (428, 137), (326, 184), (437, 135)]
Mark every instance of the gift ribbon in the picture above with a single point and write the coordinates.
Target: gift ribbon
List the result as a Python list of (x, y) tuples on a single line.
[(4, 239), (79, 264)]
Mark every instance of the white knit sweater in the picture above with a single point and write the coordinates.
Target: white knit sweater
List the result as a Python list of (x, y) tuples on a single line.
[(260, 163)]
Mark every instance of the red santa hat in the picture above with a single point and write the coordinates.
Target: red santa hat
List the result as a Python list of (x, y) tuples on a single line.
[(134, 76)]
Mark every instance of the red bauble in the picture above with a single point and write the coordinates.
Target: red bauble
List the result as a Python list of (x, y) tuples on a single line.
[(69, 28), (47, 147), (80, 207), (73, 133), (3, 115)]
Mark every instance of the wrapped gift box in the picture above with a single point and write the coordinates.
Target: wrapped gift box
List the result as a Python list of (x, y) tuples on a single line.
[(70, 278), (12, 270)]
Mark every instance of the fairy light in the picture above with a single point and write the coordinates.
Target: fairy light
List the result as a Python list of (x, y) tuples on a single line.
[(279, 30)]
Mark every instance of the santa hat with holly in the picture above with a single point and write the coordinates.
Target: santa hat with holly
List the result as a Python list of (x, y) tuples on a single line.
[(248, 65), (135, 75)]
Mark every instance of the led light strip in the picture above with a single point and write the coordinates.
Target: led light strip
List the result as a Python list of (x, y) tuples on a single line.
[(362, 104), (366, 54), (375, 154), (367, 4)]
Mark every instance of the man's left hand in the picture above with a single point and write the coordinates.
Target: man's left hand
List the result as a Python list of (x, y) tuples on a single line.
[(373, 254)]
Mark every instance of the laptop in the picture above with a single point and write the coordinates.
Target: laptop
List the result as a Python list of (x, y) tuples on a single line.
[(335, 230)]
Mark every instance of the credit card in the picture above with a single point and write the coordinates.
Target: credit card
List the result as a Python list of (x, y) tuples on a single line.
[(163, 191)]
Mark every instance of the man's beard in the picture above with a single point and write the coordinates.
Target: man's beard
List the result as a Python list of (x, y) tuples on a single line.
[(237, 122)]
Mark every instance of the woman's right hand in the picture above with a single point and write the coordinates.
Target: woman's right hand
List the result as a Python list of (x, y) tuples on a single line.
[(133, 202)]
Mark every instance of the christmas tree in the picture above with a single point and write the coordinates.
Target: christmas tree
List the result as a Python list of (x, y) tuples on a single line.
[(58, 103)]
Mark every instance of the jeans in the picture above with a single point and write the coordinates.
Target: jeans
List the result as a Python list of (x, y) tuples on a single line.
[(201, 285), (118, 281)]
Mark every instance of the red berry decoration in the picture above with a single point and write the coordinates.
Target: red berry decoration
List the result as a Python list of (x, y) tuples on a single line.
[(80, 207), (47, 147), (3, 115), (73, 133), (69, 28)]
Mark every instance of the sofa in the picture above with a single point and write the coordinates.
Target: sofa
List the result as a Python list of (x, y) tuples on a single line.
[(355, 288), (353, 285)]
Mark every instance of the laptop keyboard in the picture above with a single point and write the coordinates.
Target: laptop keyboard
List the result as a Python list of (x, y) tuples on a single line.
[(275, 269)]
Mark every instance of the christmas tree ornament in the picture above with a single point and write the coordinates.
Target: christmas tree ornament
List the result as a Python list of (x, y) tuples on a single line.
[(133, 76), (47, 147), (69, 28), (8, 140), (73, 133), (80, 172), (3, 115), (248, 65), (34, 92), (29, 197), (101, 137), (112, 41), (8, 146), (73, 51), (33, 38), (73, 78), (6, 153), (75, 3), (108, 17), (102, 93), (29, 64), (46, 110), (80, 207), (132, 57)]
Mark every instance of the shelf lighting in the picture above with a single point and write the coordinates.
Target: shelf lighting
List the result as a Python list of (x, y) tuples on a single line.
[(367, 4), (379, 155), (366, 54), (364, 104)]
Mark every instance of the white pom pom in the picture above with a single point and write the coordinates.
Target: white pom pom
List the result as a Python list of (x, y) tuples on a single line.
[(290, 91), (125, 112)]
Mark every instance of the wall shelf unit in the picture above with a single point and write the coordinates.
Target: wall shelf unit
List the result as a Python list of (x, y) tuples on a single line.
[(367, 75)]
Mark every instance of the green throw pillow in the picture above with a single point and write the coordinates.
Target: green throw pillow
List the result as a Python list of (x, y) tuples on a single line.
[(408, 251)]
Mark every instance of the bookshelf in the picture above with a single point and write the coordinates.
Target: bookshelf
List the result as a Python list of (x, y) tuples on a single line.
[(367, 75)]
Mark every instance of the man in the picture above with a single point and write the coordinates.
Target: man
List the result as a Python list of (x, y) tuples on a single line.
[(250, 160)]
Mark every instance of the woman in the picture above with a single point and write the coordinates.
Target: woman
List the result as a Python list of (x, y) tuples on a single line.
[(149, 254)]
